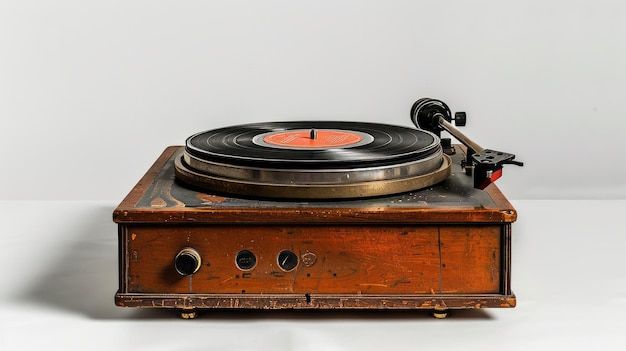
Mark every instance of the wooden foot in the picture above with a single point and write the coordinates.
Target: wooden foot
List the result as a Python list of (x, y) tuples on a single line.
[(187, 314)]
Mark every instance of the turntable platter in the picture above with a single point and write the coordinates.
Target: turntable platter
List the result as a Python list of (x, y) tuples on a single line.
[(314, 159)]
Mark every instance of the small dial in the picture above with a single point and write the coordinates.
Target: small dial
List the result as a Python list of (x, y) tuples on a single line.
[(245, 260), (287, 260), (187, 261)]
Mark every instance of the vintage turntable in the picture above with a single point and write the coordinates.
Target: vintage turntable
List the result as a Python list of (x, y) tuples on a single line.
[(320, 215)]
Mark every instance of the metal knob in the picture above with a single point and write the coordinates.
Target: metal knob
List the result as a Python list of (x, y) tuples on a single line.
[(187, 261), (460, 119)]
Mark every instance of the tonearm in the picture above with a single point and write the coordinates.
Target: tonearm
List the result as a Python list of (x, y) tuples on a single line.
[(485, 164)]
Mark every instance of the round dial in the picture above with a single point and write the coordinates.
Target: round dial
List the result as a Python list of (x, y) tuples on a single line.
[(245, 260), (287, 260)]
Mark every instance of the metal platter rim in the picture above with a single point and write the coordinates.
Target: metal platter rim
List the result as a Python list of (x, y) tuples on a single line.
[(305, 191), (333, 176)]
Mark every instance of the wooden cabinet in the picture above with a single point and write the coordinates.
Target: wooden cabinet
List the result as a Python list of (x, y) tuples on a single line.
[(444, 247)]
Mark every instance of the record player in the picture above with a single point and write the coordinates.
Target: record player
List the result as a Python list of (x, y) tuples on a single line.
[(320, 215)]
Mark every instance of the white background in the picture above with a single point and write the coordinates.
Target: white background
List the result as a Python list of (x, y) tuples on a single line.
[(91, 92)]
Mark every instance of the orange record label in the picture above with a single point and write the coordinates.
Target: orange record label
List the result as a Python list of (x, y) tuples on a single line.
[(313, 138)]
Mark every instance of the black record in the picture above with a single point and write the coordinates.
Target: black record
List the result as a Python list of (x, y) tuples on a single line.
[(373, 145)]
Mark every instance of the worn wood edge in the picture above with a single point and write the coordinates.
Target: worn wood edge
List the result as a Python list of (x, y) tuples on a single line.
[(133, 197), (509, 213), (314, 301), (244, 215)]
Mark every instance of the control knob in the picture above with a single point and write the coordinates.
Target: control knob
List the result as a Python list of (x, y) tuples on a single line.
[(187, 261)]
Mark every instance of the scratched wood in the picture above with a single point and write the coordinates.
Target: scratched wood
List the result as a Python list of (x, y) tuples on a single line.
[(471, 259), (348, 259), (321, 301)]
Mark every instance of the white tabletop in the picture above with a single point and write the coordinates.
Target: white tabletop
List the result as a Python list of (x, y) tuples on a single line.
[(59, 276)]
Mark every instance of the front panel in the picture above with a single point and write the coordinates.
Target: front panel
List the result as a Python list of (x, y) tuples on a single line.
[(446, 259)]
